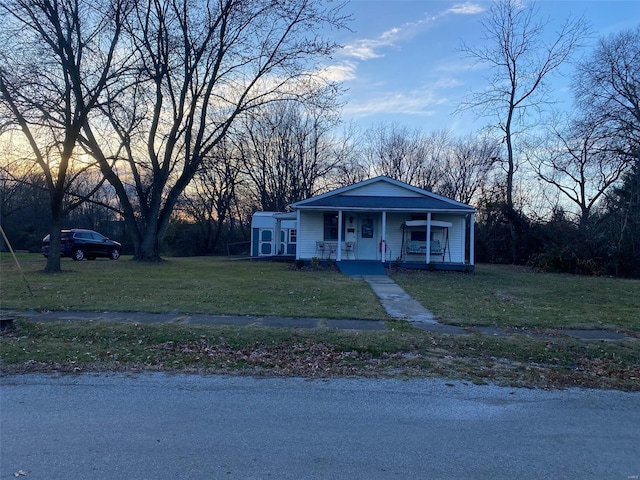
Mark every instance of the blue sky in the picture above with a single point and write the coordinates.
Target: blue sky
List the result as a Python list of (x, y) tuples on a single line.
[(401, 63)]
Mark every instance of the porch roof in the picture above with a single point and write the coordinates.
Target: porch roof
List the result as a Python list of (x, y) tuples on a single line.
[(383, 203)]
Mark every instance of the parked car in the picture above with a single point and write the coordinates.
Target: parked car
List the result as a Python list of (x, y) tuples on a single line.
[(78, 244)]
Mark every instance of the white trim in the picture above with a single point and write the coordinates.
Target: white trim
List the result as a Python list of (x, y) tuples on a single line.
[(383, 250), (472, 239)]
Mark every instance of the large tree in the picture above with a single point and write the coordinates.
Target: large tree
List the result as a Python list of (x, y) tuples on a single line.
[(468, 167), (200, 64), (607, 85), (520, 54), (405, 154), (287, 150), (56, 60), (581, 160)]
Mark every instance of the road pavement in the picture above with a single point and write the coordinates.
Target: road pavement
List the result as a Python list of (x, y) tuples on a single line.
[(159, 426)]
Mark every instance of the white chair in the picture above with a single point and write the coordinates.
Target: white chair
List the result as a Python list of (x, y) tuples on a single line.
[(320, 248), (350, 247)]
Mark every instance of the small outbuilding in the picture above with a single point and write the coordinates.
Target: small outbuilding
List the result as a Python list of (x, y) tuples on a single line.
[(380, 219), (273, 234)]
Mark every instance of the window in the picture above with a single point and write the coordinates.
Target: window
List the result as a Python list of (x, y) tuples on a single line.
[(331, 226), (293, 235)]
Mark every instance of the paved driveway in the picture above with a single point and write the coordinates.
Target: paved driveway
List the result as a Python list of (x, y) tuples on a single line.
[(157, 426)]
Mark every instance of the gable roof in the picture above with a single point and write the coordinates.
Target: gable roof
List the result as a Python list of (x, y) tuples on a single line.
[(382, 194)]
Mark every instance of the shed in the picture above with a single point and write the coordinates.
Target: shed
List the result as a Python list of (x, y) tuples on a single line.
[(267, 228)]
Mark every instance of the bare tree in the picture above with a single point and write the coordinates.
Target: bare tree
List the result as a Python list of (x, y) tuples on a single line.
[(520, 61), (607, 85), (211, 197), (468, 167), (200, 65), (405, 154), (286, 149), (56, 61), (581, 160), (351, 166)]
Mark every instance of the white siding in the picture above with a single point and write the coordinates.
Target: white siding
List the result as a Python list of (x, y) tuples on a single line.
[(382, 189), (310, 230), (394, 235), (456, 237)]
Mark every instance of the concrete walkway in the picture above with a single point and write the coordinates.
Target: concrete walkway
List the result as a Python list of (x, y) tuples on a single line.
[(398, 303)]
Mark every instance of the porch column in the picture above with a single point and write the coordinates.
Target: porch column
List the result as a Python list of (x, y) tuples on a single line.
[(383, 250), (428, 254), (339, 246), (471, 239)]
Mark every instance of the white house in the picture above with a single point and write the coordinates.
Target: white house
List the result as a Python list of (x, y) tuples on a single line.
[(381, 220)]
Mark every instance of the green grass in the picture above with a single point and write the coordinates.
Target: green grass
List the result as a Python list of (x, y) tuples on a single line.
[(495, 295), (509, 296), (187, 285), (74, 347)]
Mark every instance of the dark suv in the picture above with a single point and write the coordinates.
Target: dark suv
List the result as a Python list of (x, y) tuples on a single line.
[(78, 244)]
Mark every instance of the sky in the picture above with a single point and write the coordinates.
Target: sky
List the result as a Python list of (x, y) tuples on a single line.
[(401, 63)]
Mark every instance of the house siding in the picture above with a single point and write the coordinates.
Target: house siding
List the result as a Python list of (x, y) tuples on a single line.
[(310, 230), (381, 189)]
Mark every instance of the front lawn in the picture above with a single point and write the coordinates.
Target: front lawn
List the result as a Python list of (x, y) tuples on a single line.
[(508, 296), (214, 285)]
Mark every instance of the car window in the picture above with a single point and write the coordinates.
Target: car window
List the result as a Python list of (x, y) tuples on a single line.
[(97, 237)]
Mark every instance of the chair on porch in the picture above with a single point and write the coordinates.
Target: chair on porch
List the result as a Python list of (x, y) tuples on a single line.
[(320, 248), (350, 248)]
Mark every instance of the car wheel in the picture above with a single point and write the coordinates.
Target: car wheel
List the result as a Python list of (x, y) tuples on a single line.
[(78, 254), (115, 254)]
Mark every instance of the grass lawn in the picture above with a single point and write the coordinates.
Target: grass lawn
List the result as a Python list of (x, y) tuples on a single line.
[(495, 295), (212, 285), (517, 297)]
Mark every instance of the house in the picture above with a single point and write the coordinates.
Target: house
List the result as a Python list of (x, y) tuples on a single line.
[(382, 220)]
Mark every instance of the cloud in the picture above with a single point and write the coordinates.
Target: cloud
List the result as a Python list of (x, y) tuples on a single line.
[(339, 73), (422, 101), (467, 8), (362, 49)]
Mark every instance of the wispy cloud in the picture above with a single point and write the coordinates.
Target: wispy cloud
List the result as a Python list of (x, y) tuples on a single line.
[(369, 48), (338, 73), (467, 8), (421, 101)]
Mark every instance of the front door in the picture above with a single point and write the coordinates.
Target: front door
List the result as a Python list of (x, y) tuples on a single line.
[(368, 237)]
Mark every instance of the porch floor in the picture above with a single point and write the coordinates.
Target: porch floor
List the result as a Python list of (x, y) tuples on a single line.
[(361, 267)]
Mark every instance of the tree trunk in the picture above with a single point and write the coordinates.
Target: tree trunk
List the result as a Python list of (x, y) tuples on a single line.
[(53, 260)]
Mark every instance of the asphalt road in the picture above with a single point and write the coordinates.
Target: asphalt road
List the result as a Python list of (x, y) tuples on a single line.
[(156, 426)]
